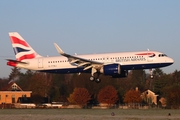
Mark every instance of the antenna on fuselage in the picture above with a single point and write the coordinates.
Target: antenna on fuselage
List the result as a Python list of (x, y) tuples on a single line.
[(147, 49)]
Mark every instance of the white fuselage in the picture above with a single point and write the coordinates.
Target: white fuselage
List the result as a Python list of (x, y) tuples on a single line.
[(127, 60)]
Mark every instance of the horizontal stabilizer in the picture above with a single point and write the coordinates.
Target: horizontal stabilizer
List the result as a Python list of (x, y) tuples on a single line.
[(15, 61)]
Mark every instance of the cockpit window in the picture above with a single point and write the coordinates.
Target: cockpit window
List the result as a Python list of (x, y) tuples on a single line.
[(162, 55)]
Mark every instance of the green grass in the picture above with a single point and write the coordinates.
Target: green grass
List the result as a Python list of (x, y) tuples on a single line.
[(88, 114)]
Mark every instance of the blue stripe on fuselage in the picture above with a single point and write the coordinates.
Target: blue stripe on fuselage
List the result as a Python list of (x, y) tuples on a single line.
[(66, 71), (144, 66), (123, 67)]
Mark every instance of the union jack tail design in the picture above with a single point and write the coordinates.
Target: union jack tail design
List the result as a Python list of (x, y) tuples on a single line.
[(21, 48)]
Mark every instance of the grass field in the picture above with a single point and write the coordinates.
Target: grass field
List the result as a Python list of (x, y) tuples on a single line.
[(88, 114)]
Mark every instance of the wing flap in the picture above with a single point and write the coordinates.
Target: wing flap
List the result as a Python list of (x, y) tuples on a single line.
[(83, 64), (74, 61), (88, 67)]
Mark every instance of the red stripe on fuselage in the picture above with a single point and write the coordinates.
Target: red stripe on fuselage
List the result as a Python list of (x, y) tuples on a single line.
[(16, 40), (28, 56), (145, 54)]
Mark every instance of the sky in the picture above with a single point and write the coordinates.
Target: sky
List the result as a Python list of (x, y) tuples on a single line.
[(91, 26)]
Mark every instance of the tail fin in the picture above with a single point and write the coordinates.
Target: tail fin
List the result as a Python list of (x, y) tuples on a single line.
[(21, 48)]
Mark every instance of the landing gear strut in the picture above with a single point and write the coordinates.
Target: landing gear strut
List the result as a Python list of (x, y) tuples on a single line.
[(151, 73)]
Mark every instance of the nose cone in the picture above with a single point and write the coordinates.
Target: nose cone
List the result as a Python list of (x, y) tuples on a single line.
[(170, 60)]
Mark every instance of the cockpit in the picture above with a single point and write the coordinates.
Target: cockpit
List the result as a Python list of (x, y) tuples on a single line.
[(162, 55)]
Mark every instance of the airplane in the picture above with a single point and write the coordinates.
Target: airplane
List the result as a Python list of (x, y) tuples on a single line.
[(115, 65)]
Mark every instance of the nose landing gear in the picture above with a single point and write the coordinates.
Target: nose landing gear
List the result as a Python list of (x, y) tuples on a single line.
[(151, 73)]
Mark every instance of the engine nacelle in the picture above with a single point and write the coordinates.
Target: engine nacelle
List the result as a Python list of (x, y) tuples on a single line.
[(114, 70), (111, 69)]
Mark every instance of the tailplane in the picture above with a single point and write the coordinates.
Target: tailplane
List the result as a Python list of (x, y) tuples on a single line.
[(21, 48)]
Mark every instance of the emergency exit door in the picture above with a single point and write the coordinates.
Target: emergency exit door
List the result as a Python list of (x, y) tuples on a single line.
[(40, 63)]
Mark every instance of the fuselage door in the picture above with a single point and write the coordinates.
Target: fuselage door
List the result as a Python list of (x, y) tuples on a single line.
[(150, 57), (40, 63)]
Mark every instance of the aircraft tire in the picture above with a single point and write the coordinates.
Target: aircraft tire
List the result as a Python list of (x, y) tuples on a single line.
[(91, 78), (98, 80)]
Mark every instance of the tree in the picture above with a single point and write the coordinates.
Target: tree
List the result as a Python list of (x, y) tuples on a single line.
[(24, 78), (158, 72), (40, 84), (80, 96), (173, 96), (138, 77), (176, 76), (59, 88), (70, 99), (132, 96), (160, 83), (3, 82), (55, 94), (15, 74), (108, 95)]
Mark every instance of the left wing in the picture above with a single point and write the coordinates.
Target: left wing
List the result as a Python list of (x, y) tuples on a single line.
[(80, 62)]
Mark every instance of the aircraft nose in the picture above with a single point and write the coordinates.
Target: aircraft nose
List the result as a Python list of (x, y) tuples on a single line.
[(171, 60)]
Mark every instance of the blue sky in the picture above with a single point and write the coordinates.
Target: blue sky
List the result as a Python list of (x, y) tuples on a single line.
[(91, 26)]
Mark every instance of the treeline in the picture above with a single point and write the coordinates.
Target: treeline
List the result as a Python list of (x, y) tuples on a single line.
[(60, 87)]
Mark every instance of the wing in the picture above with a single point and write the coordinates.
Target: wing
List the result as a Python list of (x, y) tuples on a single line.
[(80, 62)]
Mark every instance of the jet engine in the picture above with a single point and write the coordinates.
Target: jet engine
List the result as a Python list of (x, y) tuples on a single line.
[(113, 70)]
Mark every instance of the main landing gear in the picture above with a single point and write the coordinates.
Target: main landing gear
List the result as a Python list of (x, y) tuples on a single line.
[(95, 76), (97, 80)]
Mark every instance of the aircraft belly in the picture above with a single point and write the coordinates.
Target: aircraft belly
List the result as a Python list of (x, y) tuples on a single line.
[(144, 66), (66, 70)]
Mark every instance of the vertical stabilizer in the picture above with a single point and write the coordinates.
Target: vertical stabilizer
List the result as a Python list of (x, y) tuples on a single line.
[(21, 48)]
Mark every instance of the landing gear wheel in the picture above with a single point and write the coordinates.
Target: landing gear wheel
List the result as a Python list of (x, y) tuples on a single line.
[(95, 75), (152, 76), (98, 80), (91, 78)]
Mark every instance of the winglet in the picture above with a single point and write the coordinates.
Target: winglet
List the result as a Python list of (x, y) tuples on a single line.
[(59, 49)]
